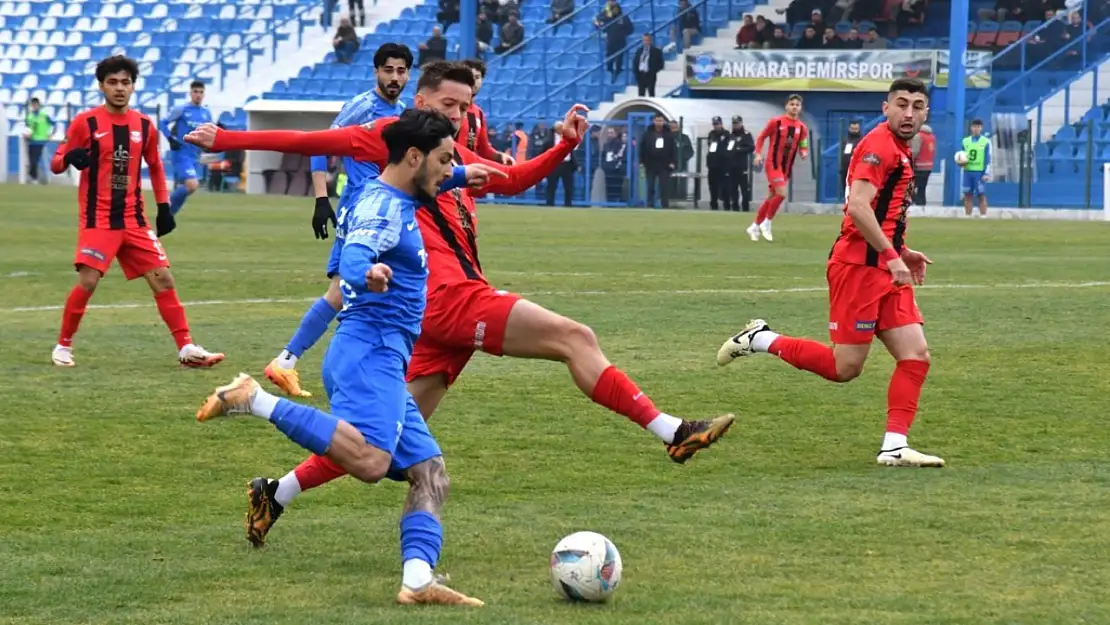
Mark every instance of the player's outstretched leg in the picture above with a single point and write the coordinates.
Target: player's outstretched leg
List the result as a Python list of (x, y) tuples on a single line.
[(532, 331), (422, 538), (282, 370), (806, 354), (267, 498)]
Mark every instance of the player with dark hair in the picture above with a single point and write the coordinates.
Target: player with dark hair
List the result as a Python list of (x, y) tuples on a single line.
[(107, 145), (392, 62), (870, 274), (788, 138), (184, 157), (474, 132), (374, 430)]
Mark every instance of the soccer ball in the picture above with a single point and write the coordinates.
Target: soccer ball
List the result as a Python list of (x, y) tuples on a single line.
[(585, 566), (960, 158)]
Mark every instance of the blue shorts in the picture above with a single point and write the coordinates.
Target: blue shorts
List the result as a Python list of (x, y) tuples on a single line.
[(184, 167), (364, 377), (973, 183)]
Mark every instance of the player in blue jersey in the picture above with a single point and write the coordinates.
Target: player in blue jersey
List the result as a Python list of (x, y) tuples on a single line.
[(392, 62), (183, 156), (374, 429)]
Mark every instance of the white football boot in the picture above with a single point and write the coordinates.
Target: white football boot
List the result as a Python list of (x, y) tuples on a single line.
[(753, 232), (765, 230), (741, 344), (62, 356), (907, 457), (193, 355)]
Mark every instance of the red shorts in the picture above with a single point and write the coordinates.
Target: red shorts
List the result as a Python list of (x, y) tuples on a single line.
[(460, 319), (137, 249), (776, 178), (863, 300)]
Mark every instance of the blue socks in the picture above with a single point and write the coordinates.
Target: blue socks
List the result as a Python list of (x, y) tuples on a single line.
[(421, 537), (313, 326), (177, 198), (304, 425)]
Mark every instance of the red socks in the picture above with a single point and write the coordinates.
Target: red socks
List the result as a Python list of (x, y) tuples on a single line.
[(72, 313), (807, 354), (317, 471), (769, 208), (618, 393), (903, 393), (776, 203), (173, 313)]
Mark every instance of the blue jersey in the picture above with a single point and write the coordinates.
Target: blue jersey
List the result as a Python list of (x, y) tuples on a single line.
[(362, 109), (181, 121), (382, 228)]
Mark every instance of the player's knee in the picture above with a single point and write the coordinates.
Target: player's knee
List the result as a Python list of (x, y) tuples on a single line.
[(160, 279), (334, 296), (371, 468), (191, 185), (88, 280), (846, 371), (577, 338)]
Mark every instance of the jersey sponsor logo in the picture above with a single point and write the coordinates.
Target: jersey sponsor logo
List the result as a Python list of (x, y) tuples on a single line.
[(865, 326), (872, 158), (92, 253), (121, 162)]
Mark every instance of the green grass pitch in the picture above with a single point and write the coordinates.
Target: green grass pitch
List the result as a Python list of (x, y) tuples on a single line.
[(117, 507)]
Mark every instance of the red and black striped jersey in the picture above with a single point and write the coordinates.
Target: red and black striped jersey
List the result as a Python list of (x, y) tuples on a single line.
[(884, 160), (788, 137), (110, 194), (474, 134)]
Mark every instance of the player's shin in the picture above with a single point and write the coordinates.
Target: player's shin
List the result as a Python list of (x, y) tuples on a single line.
[(805, 354), (314, 471), (901, 400), (775, 203), (177, 198), (617, 392), (313, 326), (421, 529), (74, 311), (173, 314), (304, 425)]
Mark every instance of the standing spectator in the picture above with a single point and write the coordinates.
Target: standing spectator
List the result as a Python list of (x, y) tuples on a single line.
[(512, 34), (847, 146), (448, 13), (688, 22), (817, 21), (746, 36), (39, 128), (741, 148), (649, 61), (1004, 10), (923, 147), (563, 172), (345, 42), (483, 32), (874, 41), (492, 9), (717, 163), (617, 27), (613, 163), (659, 156), (329, 11), (434, 49), (841, 11), (559, 10), (356, 7), (685, 149)]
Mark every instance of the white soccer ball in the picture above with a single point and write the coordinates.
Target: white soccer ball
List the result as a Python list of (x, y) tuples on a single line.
[(585, 566), (960, 158)]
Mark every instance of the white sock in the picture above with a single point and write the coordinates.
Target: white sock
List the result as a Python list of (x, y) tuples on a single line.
[(893, 441), (288, 488), (761, 341), (287, 360), (664, 426), (416, 574), (263, 404)]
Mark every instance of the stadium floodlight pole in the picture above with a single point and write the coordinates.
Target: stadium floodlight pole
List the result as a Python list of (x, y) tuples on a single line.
[(468, 35), (957, 88)]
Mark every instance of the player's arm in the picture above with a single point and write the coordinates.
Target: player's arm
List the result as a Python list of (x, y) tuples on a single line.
[(375, 229), (318, 165), (157, 170), (364, 144), (74, 150), (169, 127), (522, 176), (987, 161), (484, 148), (803, 142), (763, 136)]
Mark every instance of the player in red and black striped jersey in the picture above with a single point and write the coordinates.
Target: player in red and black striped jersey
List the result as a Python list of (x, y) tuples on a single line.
[(107, 145), (871, 273), (474, 131), (787, 137)]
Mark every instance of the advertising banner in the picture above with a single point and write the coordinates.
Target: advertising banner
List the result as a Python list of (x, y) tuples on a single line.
[(807, 70)]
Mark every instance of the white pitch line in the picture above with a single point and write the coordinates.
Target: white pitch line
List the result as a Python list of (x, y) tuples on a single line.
[(808, 289)]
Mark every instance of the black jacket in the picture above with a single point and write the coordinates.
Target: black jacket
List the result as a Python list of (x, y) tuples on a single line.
[(743, 146), (658, 149), (717, 155), (655, 61)]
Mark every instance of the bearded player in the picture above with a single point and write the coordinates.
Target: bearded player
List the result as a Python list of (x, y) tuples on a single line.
[(465, 313), (107, 145), (870, 274), (788, 138), (392, 63)]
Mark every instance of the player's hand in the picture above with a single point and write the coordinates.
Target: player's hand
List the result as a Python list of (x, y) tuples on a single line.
[(916, 262), (757, 160), (165, 222), (321, 216), (78, 158), (378, 277), (986, 178), (203, 135), (899, 272), (478, 175), (575, 124), (507, 160)]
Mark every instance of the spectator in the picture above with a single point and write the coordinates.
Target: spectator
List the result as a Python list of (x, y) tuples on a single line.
[(658, 155), (923, 147), (434, 49), (688, 21), (648, 63), (559, 10), (512, 34), (851, 40), (356, 7), (617, 27), (841, 10), (537, 139), (741, 148), (764, 31), (492, 9), (816, 21), (717, 163), (613, 164), (520, 139), (448, 13), (345, 42), (798, 11), (779, 41), (910, 13), (874, 41), (685, 150), (508, 7), (809, 39), (829, 40), (484, 32), (746, 36), (39, 128), (847, 146), (563, 172)]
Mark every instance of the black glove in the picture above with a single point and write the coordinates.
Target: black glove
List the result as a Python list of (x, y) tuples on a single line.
[(321, 216), (77, 158), (164, 223)]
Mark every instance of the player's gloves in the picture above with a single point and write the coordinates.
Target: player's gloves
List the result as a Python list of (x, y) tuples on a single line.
[(321, 216), (165, 222), (77, 158)]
